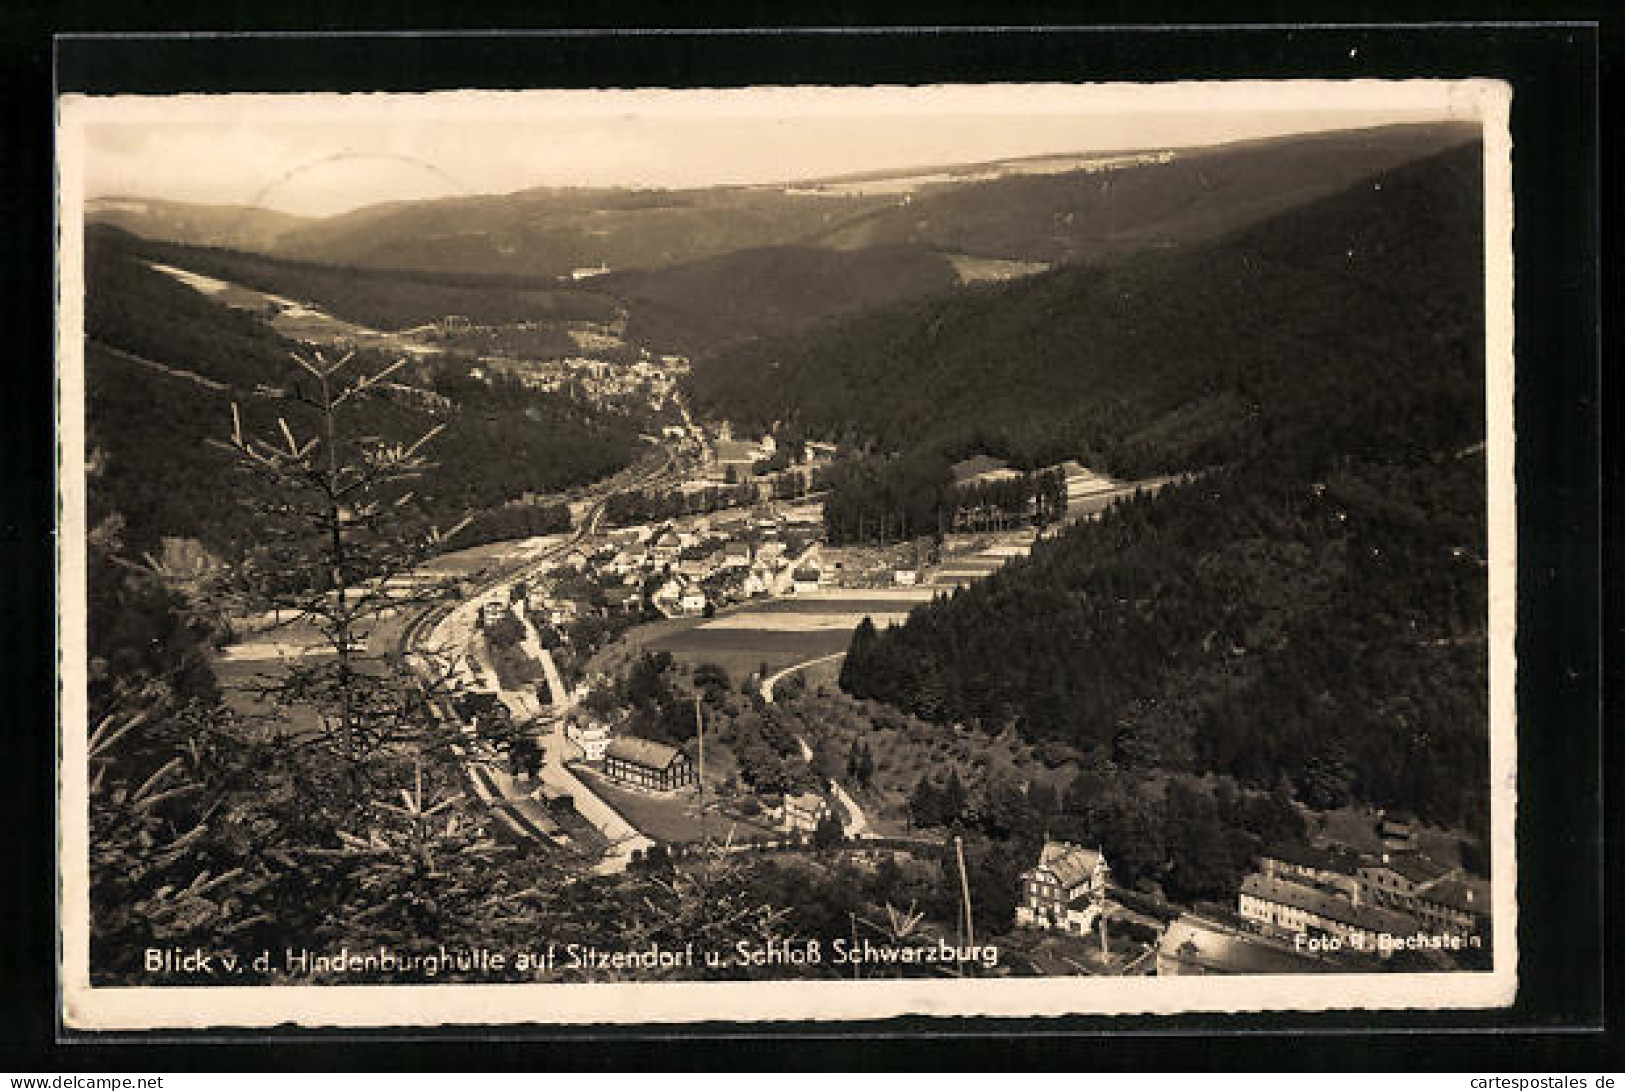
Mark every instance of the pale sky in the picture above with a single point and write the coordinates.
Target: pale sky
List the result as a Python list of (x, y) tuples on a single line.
[(317, 155)]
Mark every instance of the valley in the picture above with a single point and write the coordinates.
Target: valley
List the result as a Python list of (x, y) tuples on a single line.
[(867, 540)]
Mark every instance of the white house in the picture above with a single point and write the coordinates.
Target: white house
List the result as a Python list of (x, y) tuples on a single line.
[(692, 600), (1066, 888), (804, 810), (807, 578), (666, 596), (593, 738)]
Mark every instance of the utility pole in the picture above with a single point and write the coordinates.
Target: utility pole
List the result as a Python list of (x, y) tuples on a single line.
[(964, 888), (699, 725)]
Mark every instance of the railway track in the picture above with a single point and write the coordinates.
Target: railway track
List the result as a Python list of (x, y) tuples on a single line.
[(414, 630)]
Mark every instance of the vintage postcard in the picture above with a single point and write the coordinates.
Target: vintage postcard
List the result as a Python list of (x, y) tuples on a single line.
[(785, 553)]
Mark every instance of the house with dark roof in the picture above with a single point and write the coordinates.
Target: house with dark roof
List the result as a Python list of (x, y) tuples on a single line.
[(1397, 878), (643, 763), (1332, 866), (1064, 889), (1455, 905)]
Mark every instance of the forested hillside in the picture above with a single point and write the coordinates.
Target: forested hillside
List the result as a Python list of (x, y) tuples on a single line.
[(549, 232), (1196, 195), (1164, 361), (687, 308), (1310, 605), (163, 363), (389, 299), (700, 306)]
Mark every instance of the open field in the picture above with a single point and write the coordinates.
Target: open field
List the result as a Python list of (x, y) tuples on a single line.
[(782, 632), (741, 651), (467, 562), (672, 818)]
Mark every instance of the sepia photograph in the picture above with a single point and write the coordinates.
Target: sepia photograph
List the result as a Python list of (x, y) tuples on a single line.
[(785, 553)]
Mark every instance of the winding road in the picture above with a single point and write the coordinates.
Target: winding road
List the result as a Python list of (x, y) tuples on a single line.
[(452, 626), (857, 823)]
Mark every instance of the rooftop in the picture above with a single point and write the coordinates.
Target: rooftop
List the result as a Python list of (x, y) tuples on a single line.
[(973, 467), (1466, 895), (1413, 866), (1325, 903), (1341, 860), (1072, 863), (645, 752)]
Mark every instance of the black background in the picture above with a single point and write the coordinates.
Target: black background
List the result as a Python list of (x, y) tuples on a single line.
[(1564, 530)]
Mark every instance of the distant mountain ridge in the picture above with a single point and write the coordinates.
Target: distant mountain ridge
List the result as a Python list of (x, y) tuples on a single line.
[(1024, 213), (1160, 360), (239, 227)]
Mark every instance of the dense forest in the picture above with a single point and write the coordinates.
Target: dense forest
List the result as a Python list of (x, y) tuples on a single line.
[(878, 499), (164, 363), (389, 299), (699, 306), (1159, 361), (1315, 603)]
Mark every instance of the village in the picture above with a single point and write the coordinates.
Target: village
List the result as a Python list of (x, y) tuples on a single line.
[(553, 746), (721, 559)]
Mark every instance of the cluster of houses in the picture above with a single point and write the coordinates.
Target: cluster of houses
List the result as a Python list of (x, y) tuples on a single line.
[(655, 379), (740, 459), (683, 571), (1305, 909)]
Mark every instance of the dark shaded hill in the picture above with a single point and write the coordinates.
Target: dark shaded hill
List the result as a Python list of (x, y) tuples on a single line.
[(1314, 608), (1199, 194), (1354, 307), (549, 232), (687, 308), (753, 293), (163, 363), (385, 299)]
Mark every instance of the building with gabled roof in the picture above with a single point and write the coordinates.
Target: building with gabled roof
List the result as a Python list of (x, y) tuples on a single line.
[(1455, 904), (980, 468), (665, 544), (1331, 866), (1397, 878), (1058, 891), (644, 763), (804, 810)]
